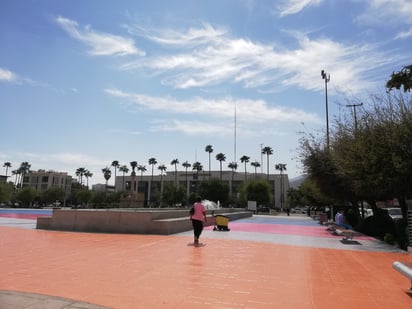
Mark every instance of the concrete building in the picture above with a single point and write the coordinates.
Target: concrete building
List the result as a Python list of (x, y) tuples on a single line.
[(189, 180), (101, 187), (42, 180)]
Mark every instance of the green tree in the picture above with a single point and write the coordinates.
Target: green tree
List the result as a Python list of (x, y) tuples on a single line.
[(107, 173), (214, 190), (162, 169), (142, 169), (186, 165), (245, 160), (209, 150), (268, 151), (173, 195), (52, 195), (124, 169), (233, 167), (116, 165), (88, 175), (401, 78), (80, 173), (295, 198), (27, 196), (255, 164), (175, 162), (281, 167), (23, 170), (84, 196), (7, 165), (221, 158), (133, 165), (133, 185), (152, 163), (256, 190), (6, 192), (197, 166)]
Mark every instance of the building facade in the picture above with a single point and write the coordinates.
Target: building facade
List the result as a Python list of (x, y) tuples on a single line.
[(42, 180), (189, 180)]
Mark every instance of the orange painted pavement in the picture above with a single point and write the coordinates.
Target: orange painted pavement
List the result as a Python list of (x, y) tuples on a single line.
[(146, 271)]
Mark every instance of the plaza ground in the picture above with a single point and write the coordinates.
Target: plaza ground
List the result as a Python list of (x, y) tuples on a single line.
[(263, 262)]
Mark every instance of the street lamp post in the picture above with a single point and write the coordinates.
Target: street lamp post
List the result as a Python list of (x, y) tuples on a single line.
[(326, 78)]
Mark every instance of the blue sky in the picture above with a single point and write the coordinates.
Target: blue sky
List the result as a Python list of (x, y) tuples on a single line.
[(83, 83)]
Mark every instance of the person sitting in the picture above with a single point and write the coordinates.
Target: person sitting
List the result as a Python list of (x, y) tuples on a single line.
[(340, 220)]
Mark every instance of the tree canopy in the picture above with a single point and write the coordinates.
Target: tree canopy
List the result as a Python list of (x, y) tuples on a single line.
[(401, 78)]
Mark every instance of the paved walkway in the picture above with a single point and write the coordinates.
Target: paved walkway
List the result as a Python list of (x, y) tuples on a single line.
[(263, 262)]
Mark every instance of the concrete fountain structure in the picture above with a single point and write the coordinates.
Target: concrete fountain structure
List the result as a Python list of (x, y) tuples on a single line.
[(132, 220)]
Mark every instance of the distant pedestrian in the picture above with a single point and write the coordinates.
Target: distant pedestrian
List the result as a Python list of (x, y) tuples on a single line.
[(198, 218)]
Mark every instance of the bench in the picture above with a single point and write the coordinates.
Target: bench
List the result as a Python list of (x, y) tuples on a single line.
[(347, 234), (405, 269), (331, 226)]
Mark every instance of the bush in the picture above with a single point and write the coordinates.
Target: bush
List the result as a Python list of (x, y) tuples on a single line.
[(401, 227), (389, 239), (378, 225)]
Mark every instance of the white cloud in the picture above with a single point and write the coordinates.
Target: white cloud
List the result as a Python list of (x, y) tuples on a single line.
[(7, 76), (404, 34), (247, 110), (101, 44), (194, 128), (289, 7), (387, 12), (193, 36), (253, 64)]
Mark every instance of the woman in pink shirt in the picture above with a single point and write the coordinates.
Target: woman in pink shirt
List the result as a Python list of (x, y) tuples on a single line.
[(198, 217)]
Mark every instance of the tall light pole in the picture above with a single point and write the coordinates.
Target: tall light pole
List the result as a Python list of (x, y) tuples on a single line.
[(326, 78)]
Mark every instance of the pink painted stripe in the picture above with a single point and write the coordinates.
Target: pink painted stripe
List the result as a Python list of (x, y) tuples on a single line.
[(22, 216), (283, 229)]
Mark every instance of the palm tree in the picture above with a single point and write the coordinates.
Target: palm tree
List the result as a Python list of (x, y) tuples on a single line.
[(133, 164), (186, 165), (88, 175), (124, 169), (267, 151), (209, 149), (152, 162), (116, 165), (255, 164), (175, 162), (245, 159), (7, 165), (221, 158), (80, 173), (24, 169), (197, 166), (16, 173), (142, 169), (233, 167), (162, 169), (107, 173), (281, 167)]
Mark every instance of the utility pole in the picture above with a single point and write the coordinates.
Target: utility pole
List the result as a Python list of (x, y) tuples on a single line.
[(354, 106)]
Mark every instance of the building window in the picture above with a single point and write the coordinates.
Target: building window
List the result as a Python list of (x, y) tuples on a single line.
[(45, 179)]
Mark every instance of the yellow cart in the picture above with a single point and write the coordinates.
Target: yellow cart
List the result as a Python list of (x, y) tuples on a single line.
[(221, 223)]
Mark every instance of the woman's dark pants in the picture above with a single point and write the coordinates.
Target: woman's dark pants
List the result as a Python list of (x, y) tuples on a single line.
[(197, 227)]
